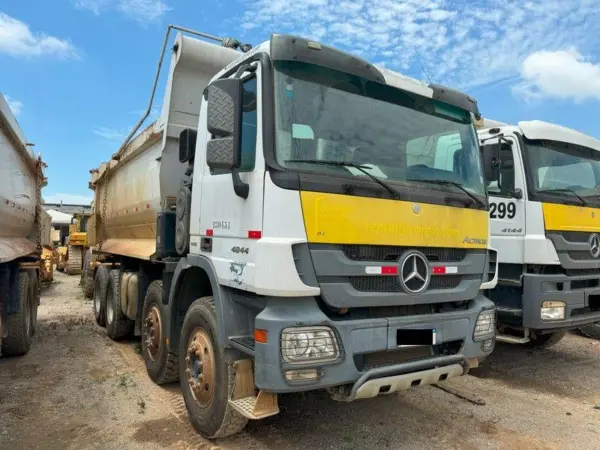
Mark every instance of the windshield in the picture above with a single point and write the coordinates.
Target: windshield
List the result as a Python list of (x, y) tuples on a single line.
[(400, 137), (556, 168)]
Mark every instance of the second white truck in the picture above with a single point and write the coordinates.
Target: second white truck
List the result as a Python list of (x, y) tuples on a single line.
[(543, 181)]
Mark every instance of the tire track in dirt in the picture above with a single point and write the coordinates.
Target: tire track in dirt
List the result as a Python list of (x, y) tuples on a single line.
[(173, 399)]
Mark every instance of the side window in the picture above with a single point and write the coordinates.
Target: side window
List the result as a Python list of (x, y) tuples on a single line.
[(248, 141), (506, 180), (421, 151), (447, 146)]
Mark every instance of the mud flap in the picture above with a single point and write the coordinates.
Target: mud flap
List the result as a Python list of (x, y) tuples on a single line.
[(243, 398)]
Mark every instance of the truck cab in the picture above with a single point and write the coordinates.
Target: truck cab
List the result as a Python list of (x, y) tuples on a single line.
[(542, 180)]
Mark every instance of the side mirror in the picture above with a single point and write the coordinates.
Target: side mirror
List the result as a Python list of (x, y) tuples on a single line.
[(224, 122), (490, 159)]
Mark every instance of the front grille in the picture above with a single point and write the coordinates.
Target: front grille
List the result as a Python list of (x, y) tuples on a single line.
[(575, 236), (389, 358), (392, 284), (392, 253), (580, 255)]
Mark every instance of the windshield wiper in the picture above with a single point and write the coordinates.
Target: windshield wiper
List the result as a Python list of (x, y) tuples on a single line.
[(363, 169), (569, 191), (451, 183)]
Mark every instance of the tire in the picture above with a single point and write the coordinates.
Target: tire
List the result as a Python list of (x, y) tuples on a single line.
[(545, 340), (18, 339), (117, 325), (215, 418), (162, 365), (85, 270), (88, 286), (99, 302), (592, 331), (35, 300)]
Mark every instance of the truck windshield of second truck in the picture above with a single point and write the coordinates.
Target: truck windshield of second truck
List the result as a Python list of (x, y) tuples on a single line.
[(404, 139), (573, 174)]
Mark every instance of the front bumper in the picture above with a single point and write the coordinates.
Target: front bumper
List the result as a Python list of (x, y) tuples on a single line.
[(580, 293), (358, 338)]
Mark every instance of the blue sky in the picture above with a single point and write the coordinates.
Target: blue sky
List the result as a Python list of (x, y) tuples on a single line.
[(78, 72)]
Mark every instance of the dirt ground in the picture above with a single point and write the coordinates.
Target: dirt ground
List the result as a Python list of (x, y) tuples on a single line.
[(76, 389)]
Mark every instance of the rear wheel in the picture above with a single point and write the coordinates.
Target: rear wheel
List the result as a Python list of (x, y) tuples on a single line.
[(207, 380), (35, 299), (100, 286), (117, 325), (545, 340), (18, 325), (73, 261), (85, 269), (162, 365), (592, 331), (88, 285)]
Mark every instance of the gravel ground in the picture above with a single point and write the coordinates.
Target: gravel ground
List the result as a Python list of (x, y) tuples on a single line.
[(76, 389)]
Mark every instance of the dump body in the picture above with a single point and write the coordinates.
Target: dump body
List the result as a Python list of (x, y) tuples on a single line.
[(143, 177), (24, 228), (18, 189)]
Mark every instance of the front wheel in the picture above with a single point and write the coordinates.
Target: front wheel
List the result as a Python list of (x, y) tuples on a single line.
[(545, 340), (207, 380)]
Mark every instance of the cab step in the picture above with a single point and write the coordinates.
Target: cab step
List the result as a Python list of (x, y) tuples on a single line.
[(257, 407), (244, 399)]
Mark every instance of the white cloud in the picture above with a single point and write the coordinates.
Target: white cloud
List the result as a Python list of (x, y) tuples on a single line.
[(16, 39), (563, 74), (463, 43), (140, 10), (15, 105), (69, 199), (109, 133)]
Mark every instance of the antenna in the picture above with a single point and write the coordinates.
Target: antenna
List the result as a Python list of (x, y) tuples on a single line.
[(423, 69)]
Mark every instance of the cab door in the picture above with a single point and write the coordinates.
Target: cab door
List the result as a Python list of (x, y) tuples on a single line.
[(507, 202), (230, 223)]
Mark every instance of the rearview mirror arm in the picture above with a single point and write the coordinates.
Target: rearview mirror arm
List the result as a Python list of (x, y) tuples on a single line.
[(241, 188)]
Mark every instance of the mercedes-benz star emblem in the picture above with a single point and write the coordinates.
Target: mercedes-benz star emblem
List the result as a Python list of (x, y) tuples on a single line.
[(416, 208), (594, 245), (414, 272)]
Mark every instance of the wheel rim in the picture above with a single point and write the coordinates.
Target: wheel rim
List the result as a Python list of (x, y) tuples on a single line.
[(110, 310), (200, 367), (153, 332)]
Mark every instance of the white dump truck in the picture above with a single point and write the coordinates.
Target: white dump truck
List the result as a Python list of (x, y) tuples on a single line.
[(23, 226), (296, 219), (543, 182)]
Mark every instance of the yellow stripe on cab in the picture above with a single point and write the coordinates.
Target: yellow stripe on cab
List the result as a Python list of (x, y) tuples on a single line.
[(345, 219), (570, 218)]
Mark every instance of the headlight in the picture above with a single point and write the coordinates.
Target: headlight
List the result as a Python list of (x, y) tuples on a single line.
[(485, 325), (553, 310), (309, 344)]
